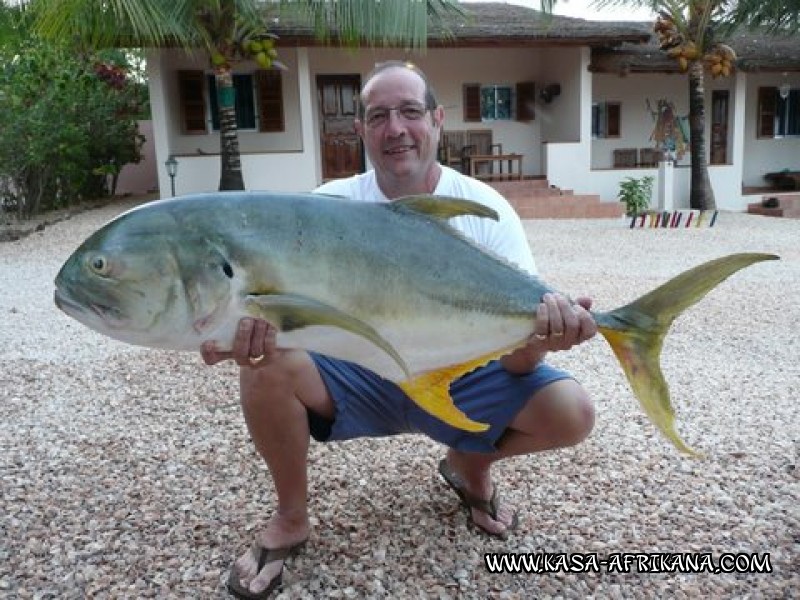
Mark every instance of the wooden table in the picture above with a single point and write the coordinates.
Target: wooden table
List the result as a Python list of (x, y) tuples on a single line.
[(509, 159)]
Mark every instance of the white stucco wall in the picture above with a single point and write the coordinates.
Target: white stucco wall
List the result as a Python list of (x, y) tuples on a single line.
[(141, 177), (767, 155), (282, 161), (636, 126)]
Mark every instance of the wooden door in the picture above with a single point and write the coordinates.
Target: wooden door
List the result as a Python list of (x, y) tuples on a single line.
[(342, 154), (719, 127)]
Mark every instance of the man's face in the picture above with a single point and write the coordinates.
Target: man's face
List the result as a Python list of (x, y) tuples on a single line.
[(400, 134)]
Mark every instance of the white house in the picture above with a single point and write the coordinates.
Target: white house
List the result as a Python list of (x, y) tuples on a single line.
[(563, 93)]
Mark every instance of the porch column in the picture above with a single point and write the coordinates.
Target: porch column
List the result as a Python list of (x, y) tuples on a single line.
[(666, 186)]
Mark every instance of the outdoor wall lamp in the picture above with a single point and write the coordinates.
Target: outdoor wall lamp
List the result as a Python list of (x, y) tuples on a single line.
[(549, 92), (172, 171), (784, 89)]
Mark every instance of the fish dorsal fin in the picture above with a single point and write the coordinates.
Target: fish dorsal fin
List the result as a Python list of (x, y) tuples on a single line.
[(443, 207)]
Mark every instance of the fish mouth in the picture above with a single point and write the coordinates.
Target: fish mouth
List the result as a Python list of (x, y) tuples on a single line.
[(81, 310), (65, 303)]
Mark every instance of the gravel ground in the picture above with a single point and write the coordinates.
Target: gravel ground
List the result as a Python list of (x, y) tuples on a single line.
[(128, 473)]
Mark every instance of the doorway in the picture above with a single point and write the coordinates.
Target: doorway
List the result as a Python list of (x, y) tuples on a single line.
[(719, 127), (342, 152)]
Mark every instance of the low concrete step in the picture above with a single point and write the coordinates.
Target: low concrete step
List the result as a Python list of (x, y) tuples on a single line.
[(757, 209), (519, 186), (537, 199), (788, 206), (537, 193), (586, 206)]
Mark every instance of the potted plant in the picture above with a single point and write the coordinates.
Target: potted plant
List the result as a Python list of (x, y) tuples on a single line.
[(635, 193)]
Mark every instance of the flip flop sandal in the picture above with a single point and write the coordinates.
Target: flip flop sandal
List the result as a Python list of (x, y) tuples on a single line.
[(469, 501), (265, 555)]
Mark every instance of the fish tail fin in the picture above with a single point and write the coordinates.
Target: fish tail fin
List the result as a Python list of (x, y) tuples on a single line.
[(636, 333)]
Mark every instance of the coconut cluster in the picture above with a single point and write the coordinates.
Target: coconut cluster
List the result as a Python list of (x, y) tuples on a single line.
[(259, 48), (719, 58)]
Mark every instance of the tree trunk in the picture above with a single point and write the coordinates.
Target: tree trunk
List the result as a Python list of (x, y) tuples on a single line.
[(231, 163), (701, 194)]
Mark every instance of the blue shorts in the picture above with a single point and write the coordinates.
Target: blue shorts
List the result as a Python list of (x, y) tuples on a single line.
[(368, 405)]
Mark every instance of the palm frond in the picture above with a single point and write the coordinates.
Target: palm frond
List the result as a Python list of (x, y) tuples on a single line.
[(773, 16), (385, 23), (111, 23)]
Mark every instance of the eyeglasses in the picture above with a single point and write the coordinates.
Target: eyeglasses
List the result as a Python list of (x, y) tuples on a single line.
[(376, 117)]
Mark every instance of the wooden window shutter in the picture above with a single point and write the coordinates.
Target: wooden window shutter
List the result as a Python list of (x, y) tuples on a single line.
[(191, 85), (766, 111), (472, 102), (270, 100), (526, 99), (613, 119)]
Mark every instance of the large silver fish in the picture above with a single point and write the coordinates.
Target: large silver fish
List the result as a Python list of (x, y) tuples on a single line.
[(391, 286)]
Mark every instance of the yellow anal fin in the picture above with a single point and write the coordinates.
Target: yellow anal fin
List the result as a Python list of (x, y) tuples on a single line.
[(431, 392)]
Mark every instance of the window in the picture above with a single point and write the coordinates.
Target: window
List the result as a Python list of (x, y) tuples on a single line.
[(778, 116), (606, 119), (259, 101), (495, 103), (245, 101), (488, 103)]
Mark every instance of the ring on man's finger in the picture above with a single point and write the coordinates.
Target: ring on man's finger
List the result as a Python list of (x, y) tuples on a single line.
[(255, 360), (540, 337), (557, 334)]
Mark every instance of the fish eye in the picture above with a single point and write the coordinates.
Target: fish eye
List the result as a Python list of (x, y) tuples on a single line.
[(100, 265), (228, 270)]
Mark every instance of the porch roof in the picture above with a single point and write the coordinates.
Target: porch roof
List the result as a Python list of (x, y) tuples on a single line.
[(755, 52), (492, 24)]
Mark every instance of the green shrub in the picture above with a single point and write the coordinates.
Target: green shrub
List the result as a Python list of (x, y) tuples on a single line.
[(635, 193), (64, 127)]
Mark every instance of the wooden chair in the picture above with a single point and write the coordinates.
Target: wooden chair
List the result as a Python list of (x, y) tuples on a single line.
[(650, 157), (625, 158), (450, 147), (479, 141)]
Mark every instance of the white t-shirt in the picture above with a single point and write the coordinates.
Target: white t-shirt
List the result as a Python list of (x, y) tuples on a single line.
[(504, 237)]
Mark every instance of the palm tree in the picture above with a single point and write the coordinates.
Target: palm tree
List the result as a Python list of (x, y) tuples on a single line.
[(776, 16), (230, 31), (693, 32)]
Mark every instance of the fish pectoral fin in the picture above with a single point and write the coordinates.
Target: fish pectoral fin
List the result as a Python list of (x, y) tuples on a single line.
[(431, 392), (290, 311), (443, 207)]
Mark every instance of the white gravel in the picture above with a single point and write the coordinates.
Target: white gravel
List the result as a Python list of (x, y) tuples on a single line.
[(128, 473)]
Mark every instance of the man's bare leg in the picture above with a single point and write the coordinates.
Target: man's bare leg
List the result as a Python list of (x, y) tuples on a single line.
[(274, 400), (557, 416)]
